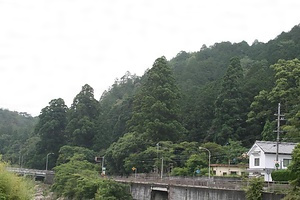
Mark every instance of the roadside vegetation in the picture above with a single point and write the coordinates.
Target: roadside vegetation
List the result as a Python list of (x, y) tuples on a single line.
[(13, 187), (77, 178)]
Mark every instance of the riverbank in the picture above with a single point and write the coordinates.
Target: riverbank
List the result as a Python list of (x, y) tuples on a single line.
[(42, 192)]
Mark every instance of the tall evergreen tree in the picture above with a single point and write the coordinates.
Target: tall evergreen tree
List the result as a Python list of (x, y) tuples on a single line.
[(154, 117), (228, 105), (82, 117), (285, 91), (156, 109), (115, 107), (268, 132), (51, 129)]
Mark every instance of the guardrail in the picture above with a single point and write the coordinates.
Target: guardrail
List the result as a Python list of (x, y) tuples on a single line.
[(32, 172)]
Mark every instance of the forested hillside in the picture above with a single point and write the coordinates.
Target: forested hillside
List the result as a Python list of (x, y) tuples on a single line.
[(221, 97), (15, 129)]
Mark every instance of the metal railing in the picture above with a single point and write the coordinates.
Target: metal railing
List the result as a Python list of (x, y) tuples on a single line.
[(215, 182)]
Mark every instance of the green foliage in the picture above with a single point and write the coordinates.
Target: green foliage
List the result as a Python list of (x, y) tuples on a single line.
[(156, 108), (111, 190), (234, 152), (228, 106), (220, 99), (66, 153), (268, 132), (15, 129), (76, 179), (81, 127), (13, 187), (218, 154), (143, 161), (294, 167), (123, 148), (178, 171), (293, 194), (283, 175), (154, 118), (198, 110), (195, 162), (285, 91), (255, 189), (51, 131), (115, 108)]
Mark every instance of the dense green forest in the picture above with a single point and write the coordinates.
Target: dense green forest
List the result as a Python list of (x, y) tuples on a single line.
[(222, 97)]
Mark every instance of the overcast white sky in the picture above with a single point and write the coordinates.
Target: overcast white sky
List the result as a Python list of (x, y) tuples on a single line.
[(50, 48)]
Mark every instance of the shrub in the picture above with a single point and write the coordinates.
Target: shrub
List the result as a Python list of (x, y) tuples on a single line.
[(255, 189), (282, 175), (13, 187), (78, 179), (111, 190), (178, 171)]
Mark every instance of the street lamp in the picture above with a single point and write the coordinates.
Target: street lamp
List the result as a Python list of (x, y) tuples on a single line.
[(47, 160), (208, 160)]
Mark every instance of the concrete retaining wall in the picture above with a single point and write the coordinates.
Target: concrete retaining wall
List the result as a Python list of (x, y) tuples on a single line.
[(190, 193), (143, 191), (140, 191)]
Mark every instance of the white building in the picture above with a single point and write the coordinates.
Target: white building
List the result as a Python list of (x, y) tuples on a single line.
[(262, 157)]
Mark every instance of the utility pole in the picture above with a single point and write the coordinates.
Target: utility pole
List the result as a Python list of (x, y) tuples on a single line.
[(279, 118), (157, 148), (162, 167), (102, 165)]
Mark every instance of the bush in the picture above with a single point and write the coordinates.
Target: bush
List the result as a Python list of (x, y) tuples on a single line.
[(178, 171), (255, 189), (111, 190), (13, 187), (78, 179), (293, 194), (282, 175)]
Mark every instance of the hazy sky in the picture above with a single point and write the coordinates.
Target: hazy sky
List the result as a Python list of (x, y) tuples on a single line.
[(50, 48)]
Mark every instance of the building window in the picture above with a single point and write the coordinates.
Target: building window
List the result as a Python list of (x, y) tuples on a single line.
[(233, 173), (224, 173), (286, 162), (214, 172), (256, 161)]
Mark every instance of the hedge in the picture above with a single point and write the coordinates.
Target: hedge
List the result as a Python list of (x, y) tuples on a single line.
[(282, 175)]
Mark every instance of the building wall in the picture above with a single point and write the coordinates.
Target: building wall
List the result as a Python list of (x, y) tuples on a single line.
[(260, 155), (270, 160), (266, 162), (228, 169)]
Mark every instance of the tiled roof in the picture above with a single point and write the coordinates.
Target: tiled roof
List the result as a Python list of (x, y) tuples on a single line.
[(270, 147)]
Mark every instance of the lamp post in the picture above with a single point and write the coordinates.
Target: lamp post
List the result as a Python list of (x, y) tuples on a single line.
[(208, 160), (47, 160)]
